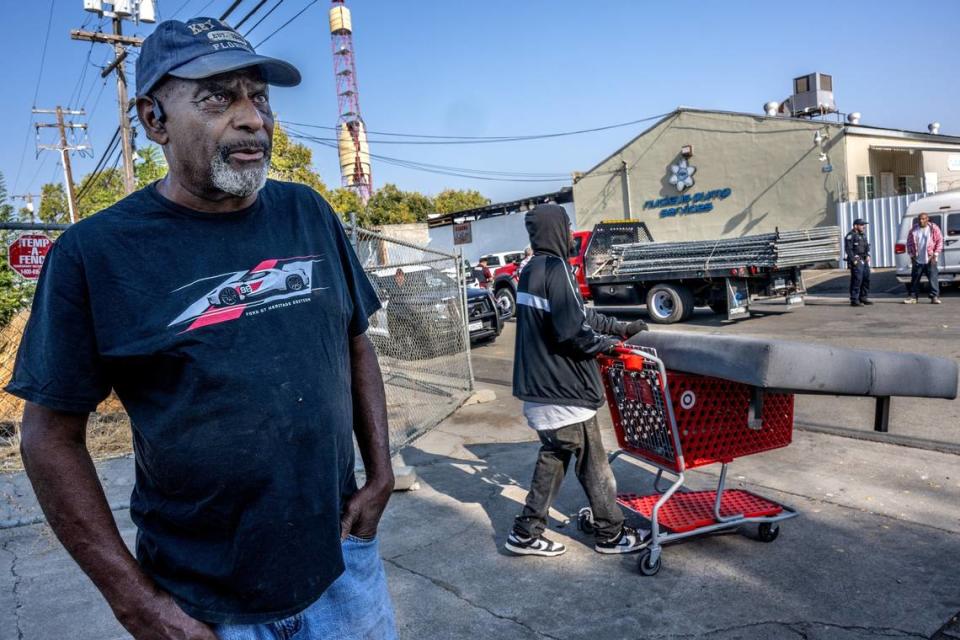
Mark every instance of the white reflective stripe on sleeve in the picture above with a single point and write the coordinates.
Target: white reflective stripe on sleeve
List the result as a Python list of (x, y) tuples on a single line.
[(531, 300)]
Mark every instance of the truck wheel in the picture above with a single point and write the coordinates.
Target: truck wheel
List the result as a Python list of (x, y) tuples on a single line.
[(506, 302), (668, 303)]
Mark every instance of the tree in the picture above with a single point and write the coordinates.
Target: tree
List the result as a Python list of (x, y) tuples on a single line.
[(452, 200), (152, 166), (6, 209), (14, 293), (390, 205), (53, 203), (293, 162), (344, 201), (96, 193)]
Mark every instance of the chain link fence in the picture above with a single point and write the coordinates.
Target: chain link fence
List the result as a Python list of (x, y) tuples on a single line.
[(108, 431), (420, 336), (420, 333)]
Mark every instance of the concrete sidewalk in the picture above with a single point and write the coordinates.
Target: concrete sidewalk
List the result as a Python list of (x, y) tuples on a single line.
[(875, 552)]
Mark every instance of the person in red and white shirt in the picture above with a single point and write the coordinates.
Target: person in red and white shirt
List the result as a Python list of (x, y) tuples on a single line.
[(924, 245)]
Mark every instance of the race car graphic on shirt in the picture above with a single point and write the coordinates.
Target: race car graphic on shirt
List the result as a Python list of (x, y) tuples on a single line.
[(256, 284), (239, 292)]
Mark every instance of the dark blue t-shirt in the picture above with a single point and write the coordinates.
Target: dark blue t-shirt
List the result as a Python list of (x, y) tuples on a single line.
[(226, 337)]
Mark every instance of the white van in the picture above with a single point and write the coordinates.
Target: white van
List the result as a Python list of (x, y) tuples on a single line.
[(944, 211)]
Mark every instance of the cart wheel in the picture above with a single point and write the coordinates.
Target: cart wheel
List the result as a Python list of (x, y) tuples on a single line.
[(585, 520), (646, 567), (768, 532)]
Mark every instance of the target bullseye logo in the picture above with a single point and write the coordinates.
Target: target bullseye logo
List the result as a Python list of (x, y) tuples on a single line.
[(688, 399)]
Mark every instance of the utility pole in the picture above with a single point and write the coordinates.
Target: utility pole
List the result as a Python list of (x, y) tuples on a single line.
[(141, 11), (119, 41), (28, 198), (64, 148)]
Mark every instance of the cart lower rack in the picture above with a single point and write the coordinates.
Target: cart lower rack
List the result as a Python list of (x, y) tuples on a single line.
[(678, 421)]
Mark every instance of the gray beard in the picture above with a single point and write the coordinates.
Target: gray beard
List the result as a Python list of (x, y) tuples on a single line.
[(241, 183)]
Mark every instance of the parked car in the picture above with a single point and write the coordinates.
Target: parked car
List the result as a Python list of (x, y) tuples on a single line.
[(944, 211), (495, 260), (421, 313), (470, 280)]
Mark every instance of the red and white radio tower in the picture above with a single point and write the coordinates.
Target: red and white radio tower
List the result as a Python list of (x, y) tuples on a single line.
[(351, 132)]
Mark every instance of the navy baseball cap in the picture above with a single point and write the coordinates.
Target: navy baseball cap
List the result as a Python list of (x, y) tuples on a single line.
[(860, 221), (200, 48)]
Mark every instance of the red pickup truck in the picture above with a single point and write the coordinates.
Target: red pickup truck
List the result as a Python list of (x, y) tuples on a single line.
[(506, 278)]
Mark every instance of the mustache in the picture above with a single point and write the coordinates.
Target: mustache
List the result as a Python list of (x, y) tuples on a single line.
[(224, 150)]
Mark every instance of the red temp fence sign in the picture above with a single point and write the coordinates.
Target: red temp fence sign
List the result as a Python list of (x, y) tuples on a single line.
[(26, 254)]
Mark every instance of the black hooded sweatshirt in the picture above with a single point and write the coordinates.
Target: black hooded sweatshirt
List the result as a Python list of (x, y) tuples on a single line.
[(557, 337)]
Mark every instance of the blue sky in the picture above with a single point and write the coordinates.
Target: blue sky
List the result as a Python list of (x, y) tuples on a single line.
[(498, 67)]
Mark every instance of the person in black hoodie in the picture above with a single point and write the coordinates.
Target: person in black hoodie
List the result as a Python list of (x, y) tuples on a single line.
[(556, 375)]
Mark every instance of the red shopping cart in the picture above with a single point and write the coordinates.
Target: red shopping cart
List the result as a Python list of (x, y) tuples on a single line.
[(679, 421)]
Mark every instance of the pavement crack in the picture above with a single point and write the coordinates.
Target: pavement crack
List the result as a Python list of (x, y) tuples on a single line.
[(454, 591), (430, 543), (801, 629), (18, 604)]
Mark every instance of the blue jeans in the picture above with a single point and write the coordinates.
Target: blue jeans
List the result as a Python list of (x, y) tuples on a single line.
[(920, 270), (355, 607)]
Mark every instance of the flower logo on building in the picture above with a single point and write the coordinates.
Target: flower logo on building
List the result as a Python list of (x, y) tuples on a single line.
[(681, 175)]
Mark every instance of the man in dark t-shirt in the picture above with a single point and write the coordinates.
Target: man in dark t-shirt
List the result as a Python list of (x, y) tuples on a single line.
[(228, 312)]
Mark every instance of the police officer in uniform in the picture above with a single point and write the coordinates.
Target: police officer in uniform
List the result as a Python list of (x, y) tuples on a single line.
[(858, 259)]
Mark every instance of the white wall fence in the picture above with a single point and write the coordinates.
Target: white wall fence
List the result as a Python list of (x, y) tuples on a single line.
[(883, 217), (490, 235)]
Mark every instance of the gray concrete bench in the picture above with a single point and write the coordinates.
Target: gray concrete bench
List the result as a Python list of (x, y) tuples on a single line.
[(796, 367)]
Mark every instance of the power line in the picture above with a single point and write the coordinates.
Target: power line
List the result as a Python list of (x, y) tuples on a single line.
[(283, 26), (81, 79), (250, 14), (36, 173), (265, 16), (230, 9), (204, 8), (438, 139), (177, 12), (517, 174), (36, 92), (43, 54), (473, 174), (97, 170)]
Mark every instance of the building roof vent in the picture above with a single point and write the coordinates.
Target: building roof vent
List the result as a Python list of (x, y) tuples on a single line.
[(770, 108), (934, 127), (853, 118), (813, 95)]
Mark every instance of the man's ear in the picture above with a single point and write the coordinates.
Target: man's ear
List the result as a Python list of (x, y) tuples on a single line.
[(149, 117)]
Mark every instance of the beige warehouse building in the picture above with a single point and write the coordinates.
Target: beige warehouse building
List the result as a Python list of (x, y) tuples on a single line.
[(701, 174)]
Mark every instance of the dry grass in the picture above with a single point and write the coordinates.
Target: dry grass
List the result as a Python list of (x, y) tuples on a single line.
[(108, 432), (108, 436)]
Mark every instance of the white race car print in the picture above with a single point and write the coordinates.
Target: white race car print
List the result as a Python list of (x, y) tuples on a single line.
[(256, 284)]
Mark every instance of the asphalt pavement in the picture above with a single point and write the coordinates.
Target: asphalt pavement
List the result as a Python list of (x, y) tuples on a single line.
[(874, 553)]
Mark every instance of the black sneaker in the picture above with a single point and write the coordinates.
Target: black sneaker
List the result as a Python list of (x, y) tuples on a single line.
[(524, 546), (627, 541), (866, 302), (856, 303)]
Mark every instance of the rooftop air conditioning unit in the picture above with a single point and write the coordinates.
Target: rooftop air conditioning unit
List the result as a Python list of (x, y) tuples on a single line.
[(813, 95)]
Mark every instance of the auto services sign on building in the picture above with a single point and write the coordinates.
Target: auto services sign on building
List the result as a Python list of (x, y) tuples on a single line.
[(682, 178), (27, 253)]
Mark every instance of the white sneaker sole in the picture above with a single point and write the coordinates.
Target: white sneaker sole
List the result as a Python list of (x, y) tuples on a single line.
[(620, 550), (528, 551)]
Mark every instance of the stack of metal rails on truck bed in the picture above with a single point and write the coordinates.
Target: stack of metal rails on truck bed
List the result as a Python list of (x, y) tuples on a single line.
[(769, 251)]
